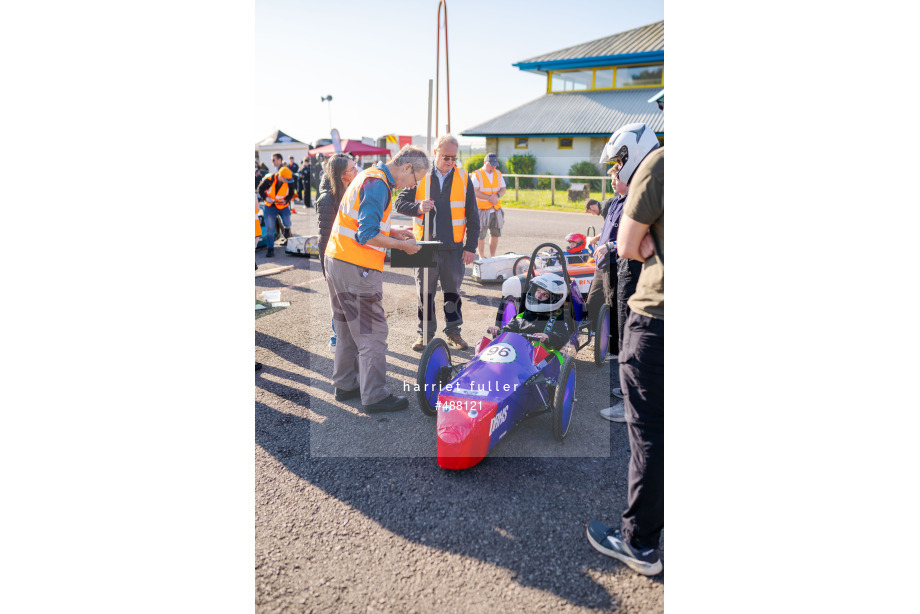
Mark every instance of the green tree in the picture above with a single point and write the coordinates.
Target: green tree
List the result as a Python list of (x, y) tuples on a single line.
[(474, 163), (586, 168), (522, 164)]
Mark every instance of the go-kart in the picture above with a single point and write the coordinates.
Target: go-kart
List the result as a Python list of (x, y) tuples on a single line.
[(510, 264), (581, 276), (509, 380)]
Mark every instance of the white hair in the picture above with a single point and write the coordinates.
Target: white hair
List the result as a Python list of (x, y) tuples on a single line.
[(446, 138)]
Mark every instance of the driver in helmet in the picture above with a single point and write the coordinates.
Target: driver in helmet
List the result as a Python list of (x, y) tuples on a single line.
[(543, 315), (578, 250)]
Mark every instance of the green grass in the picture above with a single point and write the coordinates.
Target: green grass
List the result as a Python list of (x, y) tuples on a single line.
[(540, 199)]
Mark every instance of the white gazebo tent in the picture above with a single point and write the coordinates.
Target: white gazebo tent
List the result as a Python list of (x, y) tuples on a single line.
[(281, 143)]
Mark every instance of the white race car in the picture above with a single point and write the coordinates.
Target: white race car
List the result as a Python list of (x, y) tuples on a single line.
[(500, 268)]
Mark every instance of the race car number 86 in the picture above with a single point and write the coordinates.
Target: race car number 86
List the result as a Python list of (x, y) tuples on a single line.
[(499, 352)]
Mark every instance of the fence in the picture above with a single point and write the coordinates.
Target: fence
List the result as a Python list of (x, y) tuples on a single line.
[(552, 183)]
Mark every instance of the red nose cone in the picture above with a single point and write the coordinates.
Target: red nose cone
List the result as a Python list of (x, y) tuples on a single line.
[(463, 431)]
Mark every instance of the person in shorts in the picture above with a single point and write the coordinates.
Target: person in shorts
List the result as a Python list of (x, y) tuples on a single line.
[(489, 186)]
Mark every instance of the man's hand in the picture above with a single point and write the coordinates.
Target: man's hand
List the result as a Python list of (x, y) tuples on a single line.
[(600, 251), (492, 330), (541, 336), (425, 206), (493, 199), (468, 257), (646, 246), (401, 233), (410, 246)]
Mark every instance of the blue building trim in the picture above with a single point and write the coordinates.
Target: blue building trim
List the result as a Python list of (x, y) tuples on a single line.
[(592, 62)]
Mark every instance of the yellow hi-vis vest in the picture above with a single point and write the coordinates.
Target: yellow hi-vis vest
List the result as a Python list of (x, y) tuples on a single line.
[(489, 187), (277, 192), (457, 204), (258, 226), (343, 240)]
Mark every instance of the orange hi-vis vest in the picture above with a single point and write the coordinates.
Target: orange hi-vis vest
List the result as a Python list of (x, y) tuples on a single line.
[(457, 204), (276, 193), (343, 240), (258, 226), (489, 187)]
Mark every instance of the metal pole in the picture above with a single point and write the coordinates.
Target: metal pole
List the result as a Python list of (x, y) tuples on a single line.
[(426, 232), (437, 73), (552, 191), (516, 182)]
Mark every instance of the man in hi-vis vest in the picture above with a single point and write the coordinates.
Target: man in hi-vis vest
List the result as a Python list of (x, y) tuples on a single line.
[(277, 190), (454, 221), (489, 186), (354, 256)]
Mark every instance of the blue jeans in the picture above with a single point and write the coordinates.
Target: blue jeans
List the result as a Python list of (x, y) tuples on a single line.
[(271, 211), (333, 337)]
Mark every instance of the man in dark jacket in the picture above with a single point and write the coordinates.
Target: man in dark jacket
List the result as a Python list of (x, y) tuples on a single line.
[(444, 186), (306, 194)]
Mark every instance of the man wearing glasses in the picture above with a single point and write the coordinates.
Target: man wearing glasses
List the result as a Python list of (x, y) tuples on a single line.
[(354, 256), (448, 194)]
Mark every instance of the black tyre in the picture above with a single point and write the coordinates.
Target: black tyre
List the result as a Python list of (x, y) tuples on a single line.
[(564, 399), (601, 334), (430, 377)]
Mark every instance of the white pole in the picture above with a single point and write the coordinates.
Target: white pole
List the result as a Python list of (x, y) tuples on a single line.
[(426, 236)]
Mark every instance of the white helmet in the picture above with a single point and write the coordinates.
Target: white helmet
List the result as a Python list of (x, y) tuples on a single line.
[(552, 283), (628, 146)]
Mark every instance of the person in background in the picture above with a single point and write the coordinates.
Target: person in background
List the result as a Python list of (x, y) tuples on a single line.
[(360, 236), (277, 190), (295, 171), (305, 194), (338, 174), (489, 187), (448, 192)]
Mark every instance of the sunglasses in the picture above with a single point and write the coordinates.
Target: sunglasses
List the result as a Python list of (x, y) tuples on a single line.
[(450, 158)]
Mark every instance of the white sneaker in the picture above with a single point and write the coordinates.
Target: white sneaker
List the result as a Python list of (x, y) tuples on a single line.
[(615, 413), (617, 392)]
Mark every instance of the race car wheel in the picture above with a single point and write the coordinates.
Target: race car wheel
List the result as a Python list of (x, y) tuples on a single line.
[(601, 335), (433, 372), (521, 264), (564, 399), (507, 309)]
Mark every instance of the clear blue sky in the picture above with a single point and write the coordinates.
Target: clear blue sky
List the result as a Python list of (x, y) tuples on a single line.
[(375, 59)]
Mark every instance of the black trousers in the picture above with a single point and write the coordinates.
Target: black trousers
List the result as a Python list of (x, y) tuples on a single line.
[(627, 276), (642, 373)]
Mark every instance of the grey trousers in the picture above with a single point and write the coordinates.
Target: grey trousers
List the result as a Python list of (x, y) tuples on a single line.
[(449, 270), (356, 295)]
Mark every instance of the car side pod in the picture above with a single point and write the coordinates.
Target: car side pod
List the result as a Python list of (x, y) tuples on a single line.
[(464, 431)]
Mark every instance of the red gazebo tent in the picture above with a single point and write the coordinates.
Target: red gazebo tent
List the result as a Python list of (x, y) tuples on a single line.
[(351, 146)]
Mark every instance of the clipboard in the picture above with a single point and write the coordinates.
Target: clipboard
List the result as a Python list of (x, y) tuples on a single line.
[(423, 259)]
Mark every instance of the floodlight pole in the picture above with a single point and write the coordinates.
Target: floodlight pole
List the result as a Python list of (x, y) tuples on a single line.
[(438, 69)]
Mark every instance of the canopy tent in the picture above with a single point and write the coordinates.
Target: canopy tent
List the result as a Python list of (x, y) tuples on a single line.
[(352, 146)]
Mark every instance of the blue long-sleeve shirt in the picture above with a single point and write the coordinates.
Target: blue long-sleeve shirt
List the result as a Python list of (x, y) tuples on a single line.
[(611, 224), (375, 196)]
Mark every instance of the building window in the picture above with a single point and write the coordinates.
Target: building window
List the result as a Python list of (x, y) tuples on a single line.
[(640, 76), (565, 142), (572, 80), (603, 78), (609, 77), (520, 143)]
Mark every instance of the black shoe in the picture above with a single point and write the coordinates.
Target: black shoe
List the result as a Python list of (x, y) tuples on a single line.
[(391, 403), (611, 542), (344, 395), (270, 253), (258, 366)]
